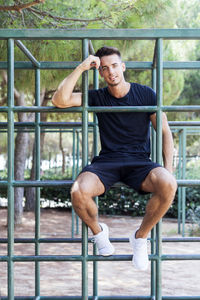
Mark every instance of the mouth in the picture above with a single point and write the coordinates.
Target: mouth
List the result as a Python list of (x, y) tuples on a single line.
[(112, 78)]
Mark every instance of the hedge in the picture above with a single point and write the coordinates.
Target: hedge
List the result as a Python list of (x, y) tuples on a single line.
[(117, 201)]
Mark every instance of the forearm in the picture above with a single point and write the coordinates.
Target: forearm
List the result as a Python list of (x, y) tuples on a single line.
[(168, 150), (62, 96)]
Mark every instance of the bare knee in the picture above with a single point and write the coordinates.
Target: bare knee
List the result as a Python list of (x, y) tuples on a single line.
[(79, 195), (167, 188)]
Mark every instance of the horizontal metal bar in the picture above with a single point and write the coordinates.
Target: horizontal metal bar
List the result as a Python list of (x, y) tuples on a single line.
[(64, 183), (99, 34), (79, 240), (180, 257), (181, 297), (102, 298), (181, 65), (122, 257), (80, 298), (42, 183), (181, 108), (27, 53), (130, 65), (89, 108), (44, 65), (183, 182), (184, 108), (70, 125), (41, 109), (122, 109), (184, 123)]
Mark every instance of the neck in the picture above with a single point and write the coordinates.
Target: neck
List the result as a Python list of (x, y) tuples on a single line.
[(120, 90)]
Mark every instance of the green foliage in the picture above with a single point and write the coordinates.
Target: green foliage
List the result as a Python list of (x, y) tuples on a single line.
[(194, 218), (122, 201)]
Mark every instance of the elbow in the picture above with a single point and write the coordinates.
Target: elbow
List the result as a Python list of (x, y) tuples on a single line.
[(58, 102)]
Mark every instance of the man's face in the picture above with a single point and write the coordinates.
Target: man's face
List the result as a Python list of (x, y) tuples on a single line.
[(112, 69)]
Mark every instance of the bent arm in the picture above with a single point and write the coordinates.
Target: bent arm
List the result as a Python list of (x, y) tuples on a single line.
[(64, 96), (167, 141)]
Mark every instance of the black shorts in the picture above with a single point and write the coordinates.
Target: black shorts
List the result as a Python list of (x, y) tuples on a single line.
[(130, 169)]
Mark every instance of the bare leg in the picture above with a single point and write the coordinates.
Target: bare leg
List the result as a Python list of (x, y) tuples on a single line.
[(163, 186), (87, 186)]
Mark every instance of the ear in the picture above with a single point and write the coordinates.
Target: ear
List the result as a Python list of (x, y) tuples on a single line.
[(123, 67), (100, 72)]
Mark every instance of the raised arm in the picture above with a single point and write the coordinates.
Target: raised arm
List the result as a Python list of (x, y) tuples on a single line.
[(64, 96), (168, 144)]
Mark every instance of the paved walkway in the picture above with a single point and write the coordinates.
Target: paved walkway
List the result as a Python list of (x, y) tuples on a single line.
[(179, 278)]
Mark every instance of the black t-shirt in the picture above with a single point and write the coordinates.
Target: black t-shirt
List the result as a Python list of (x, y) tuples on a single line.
[(127, 132)]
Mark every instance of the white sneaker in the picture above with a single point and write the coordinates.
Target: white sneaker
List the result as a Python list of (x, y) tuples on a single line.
[(140, 255), (101, 239)]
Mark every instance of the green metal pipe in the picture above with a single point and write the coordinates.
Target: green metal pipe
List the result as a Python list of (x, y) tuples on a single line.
[(10, 143), (121, 257), (153, 157), (65, 183), (183, 196), (37, 161), (189, 125), (180, 177), (77, 170), (95, 147), (48, 124), (104, 298), (159, 93), (80, 298), (113, 240), (184, 108), (73, 175), (84, 163), (131, 65), (27, 53), (100, 34), (181, 108)]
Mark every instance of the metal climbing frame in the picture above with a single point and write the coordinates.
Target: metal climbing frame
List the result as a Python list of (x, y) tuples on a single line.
[(157, 66)]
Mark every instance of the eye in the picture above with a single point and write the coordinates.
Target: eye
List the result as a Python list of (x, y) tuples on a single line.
[(104, 68)]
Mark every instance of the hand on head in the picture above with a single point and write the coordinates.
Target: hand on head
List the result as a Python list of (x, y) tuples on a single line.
[(90, 62)]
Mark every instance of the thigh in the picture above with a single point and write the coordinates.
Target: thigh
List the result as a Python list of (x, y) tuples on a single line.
[(106, 169), (155, 180), (136, 171), (89, 183)]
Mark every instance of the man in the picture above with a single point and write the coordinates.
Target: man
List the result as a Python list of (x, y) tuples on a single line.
[(125, 151)]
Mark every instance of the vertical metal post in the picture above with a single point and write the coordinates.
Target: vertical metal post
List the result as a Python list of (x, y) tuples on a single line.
[(37, 160), (10, 140), (153, 232), (77, 172), (73, 175), (180, 133), (95, 143), (183, 195), (159, 160), (84, 162)]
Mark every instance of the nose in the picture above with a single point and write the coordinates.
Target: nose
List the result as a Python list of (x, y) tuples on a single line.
[(110, 71)]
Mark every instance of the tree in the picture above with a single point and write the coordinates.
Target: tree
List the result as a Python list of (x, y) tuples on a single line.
[(91, 14)]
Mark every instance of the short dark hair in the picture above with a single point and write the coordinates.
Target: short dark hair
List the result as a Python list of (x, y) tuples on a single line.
[(105, 51)]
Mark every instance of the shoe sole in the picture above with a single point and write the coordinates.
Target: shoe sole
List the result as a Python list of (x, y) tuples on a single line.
[(107, 254)]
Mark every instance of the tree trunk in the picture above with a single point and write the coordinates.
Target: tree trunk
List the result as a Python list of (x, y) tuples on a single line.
[(30, 191), (21, 146)]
